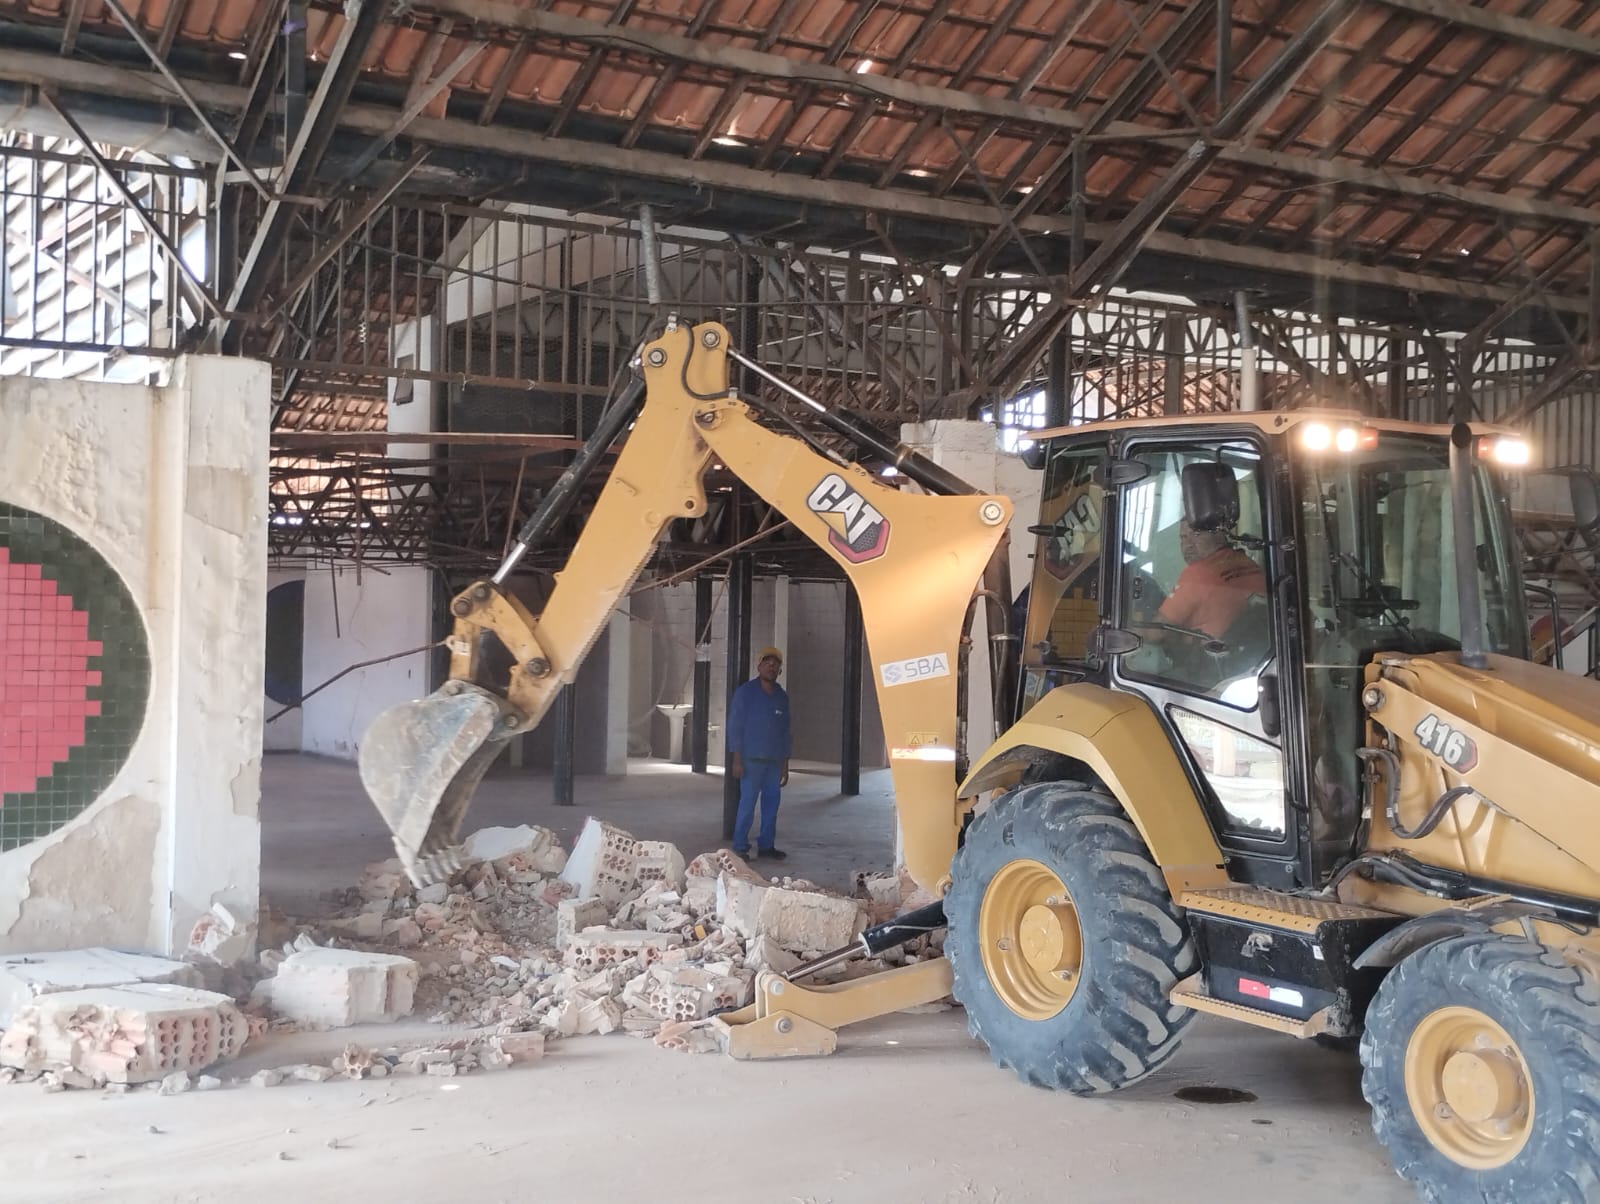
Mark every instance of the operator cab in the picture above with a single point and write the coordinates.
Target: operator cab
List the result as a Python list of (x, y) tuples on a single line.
[(1238, 572)]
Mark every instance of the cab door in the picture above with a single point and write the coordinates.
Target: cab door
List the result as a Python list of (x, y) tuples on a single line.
[(1196, 633)]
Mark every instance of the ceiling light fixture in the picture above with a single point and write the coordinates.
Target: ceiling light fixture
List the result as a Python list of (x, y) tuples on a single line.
[(865, 65)]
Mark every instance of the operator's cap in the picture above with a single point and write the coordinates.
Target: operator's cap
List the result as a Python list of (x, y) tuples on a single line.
[(769, 651)]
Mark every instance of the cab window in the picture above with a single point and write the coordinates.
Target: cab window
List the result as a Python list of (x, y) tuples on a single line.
[(1194, 584)]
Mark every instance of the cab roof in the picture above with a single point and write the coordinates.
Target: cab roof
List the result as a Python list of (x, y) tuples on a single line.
[(1270, 422)]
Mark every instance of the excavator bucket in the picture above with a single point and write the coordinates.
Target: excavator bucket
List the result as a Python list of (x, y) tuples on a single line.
[(421, 761)]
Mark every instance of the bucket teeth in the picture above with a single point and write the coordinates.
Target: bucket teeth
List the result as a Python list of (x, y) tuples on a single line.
[(431, 867)]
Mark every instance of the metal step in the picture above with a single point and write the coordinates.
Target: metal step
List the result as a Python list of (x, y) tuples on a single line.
[(1191, 993), (1275, 909)]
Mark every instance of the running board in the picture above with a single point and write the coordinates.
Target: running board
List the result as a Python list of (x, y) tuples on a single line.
[(1191, 993)]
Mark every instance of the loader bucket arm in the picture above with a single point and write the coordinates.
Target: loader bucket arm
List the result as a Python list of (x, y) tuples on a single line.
[(914, 558)]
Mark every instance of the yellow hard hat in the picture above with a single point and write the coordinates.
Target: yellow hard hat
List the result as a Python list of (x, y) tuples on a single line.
[(769, 651)]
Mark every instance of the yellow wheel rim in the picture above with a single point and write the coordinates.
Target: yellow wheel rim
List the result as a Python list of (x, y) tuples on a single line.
[(1469, 1088), (1031, 940)]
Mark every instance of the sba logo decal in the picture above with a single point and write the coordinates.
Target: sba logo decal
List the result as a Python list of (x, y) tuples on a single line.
[(856, 529)]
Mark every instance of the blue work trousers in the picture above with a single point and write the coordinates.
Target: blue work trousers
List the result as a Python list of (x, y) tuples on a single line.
[(760, 779)]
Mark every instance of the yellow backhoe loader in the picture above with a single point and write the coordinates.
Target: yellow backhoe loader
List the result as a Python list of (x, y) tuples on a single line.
[(1281, 756)]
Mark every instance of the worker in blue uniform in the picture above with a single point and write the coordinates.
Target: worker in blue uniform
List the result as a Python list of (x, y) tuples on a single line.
[(759, 745)]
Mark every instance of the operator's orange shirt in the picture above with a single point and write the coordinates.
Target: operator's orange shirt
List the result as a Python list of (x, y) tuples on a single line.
[(1212, 593)]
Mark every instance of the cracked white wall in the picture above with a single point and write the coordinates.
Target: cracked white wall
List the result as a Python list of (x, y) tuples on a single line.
[(169, 485)]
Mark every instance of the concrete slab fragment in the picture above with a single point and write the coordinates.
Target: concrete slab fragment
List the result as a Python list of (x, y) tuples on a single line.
[(26, 976)]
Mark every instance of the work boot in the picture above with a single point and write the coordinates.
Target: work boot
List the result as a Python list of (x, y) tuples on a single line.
[(775, 854), (743, 854)]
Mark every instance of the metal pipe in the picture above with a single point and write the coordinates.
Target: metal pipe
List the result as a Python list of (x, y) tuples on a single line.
[(1249, 386), (652, 258), (911, 463), (1466, 547), (556, 504)]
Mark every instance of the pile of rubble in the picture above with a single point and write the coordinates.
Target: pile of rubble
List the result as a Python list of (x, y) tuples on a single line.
[(622, 935), (525, 943)]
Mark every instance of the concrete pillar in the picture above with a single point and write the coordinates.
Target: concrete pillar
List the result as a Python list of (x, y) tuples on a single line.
[(780, 614), (142, 552)]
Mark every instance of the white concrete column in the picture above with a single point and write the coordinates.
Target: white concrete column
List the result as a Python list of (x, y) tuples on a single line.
[(780, 615)]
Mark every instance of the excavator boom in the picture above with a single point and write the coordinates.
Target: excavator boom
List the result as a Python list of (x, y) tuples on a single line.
[(915, 559)]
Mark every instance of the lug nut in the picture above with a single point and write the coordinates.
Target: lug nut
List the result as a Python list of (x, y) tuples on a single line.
[(538, 667), (461, 607), (991, 512), (481, 593), (1372, 698), (711, 338), (657, 357)]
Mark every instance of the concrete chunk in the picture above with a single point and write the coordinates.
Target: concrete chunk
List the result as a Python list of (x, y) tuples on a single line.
[(739, 904), (26, 976), (808, 921), (797, 920), (528, 849), (601, 1016), (336, 987), (604, 864), (766, 954), (131, 1034), (574, 915)]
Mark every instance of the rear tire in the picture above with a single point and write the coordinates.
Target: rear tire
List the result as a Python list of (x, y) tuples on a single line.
[(1116, 1024), (1467, 996)]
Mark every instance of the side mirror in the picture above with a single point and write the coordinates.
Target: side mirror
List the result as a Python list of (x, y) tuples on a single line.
[(1210, 496), (1034, 455), (1267, 703)]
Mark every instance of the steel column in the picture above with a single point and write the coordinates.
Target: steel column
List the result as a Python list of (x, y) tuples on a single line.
[(850, 703), (700, 714), (741, 576), (564, 758)]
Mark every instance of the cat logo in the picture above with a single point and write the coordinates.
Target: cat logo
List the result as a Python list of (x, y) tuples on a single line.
[(857, 531)]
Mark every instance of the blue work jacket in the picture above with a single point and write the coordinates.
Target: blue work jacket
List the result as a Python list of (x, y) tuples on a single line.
[(758, 722)]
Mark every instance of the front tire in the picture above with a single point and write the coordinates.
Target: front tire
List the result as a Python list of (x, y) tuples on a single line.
[(1064, 942), (1480, 1061)]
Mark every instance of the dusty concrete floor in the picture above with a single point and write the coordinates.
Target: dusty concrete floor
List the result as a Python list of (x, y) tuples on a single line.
[(318, 830), (909, 1110)]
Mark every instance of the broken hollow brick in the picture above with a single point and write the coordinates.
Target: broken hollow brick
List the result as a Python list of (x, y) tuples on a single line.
[(690, 992), (131, 1034), (723, 861), (596, 948), (604, 864), (660, 861)]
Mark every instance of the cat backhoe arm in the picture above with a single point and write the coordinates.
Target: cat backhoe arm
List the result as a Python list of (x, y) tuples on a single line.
[(915, 560)]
